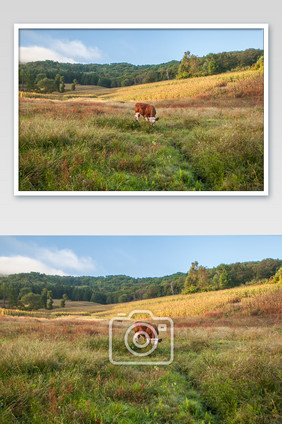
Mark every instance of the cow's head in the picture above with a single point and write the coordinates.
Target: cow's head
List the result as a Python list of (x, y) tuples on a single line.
[(153, 120)]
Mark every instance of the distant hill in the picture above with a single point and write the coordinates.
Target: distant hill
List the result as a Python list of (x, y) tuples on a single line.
[(125, 74), (122, 288)]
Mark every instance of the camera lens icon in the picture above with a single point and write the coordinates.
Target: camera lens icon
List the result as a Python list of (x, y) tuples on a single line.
[(147, 334), (134, 342)]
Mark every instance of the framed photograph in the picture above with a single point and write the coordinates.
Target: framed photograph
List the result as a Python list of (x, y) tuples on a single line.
[(141, 109), (156, 329)]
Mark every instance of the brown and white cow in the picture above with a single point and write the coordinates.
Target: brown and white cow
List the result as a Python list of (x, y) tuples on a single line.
[(147, 331), (147, 111)]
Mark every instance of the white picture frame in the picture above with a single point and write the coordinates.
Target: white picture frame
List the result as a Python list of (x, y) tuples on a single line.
[(264, 192)]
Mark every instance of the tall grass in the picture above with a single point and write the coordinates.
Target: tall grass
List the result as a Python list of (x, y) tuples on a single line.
[(243, 301), (58, 371), (84, 146), (235, 84)]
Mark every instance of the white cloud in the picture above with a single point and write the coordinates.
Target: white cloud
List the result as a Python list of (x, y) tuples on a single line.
[(34, 53), (77, 50), (28, 257), (60, 51), (18, 264), (66, 258)]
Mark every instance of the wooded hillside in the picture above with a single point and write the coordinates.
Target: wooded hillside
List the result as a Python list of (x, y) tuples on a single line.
[(32, 74), (122, 288)]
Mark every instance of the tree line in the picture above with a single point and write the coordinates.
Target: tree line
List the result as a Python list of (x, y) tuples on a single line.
[(211, 64), (47, 75), (107, 75), (34, 290)]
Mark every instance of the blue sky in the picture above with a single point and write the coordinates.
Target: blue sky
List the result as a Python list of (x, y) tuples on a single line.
[(136, 46), (136, 256)]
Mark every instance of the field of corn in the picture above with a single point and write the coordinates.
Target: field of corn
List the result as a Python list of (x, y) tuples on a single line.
[(209, 137), (226, 366)]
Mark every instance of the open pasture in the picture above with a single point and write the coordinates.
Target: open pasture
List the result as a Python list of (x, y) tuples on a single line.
[(210, 140), (226, 367)]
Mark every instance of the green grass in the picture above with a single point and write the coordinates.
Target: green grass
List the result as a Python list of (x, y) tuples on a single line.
[(86, 146), (57, 371), (226, 367)]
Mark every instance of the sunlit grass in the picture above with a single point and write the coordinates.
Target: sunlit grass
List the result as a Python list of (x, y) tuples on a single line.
[(235, 84), (86, 146), (58, 371), (245, 300)]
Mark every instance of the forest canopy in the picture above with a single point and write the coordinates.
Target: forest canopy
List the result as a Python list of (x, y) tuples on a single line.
[(46, 75), (19, 290)]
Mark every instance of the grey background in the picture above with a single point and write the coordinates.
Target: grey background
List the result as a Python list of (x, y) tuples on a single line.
[(140, 215)]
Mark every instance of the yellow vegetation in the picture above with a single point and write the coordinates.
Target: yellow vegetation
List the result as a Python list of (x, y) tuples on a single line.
[(184, 306), (214, 85)]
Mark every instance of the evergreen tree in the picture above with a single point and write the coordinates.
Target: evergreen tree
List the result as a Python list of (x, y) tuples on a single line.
[(44, 297), (73, 85), (63, 300), (62, 84), (57, 82), (49, 300)]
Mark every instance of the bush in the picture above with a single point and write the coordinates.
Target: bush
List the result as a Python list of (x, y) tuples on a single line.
[(31, 301)]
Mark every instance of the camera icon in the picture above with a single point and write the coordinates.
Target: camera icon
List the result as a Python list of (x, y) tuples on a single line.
[(135, 342)]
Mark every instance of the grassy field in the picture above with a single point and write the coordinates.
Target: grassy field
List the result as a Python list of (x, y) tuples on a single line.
[(226, 366), (209, 137)]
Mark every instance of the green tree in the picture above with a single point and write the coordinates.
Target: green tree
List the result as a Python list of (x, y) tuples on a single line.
[(4, 293), (44, 297), (99, 297), (210, 65), (151, 76), (123, 298), (104, 82), (74, 83), (203, 278), (190, 285), (47, 85), (12, 297), (198, 279), (63, 300), (259, 64), (57, 82), (30, 80), (49, 300), (152, 291), (189, 66), (277, 277), (221, 279), (40, 76), (62, 84), (31, 301), (24, 291)]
